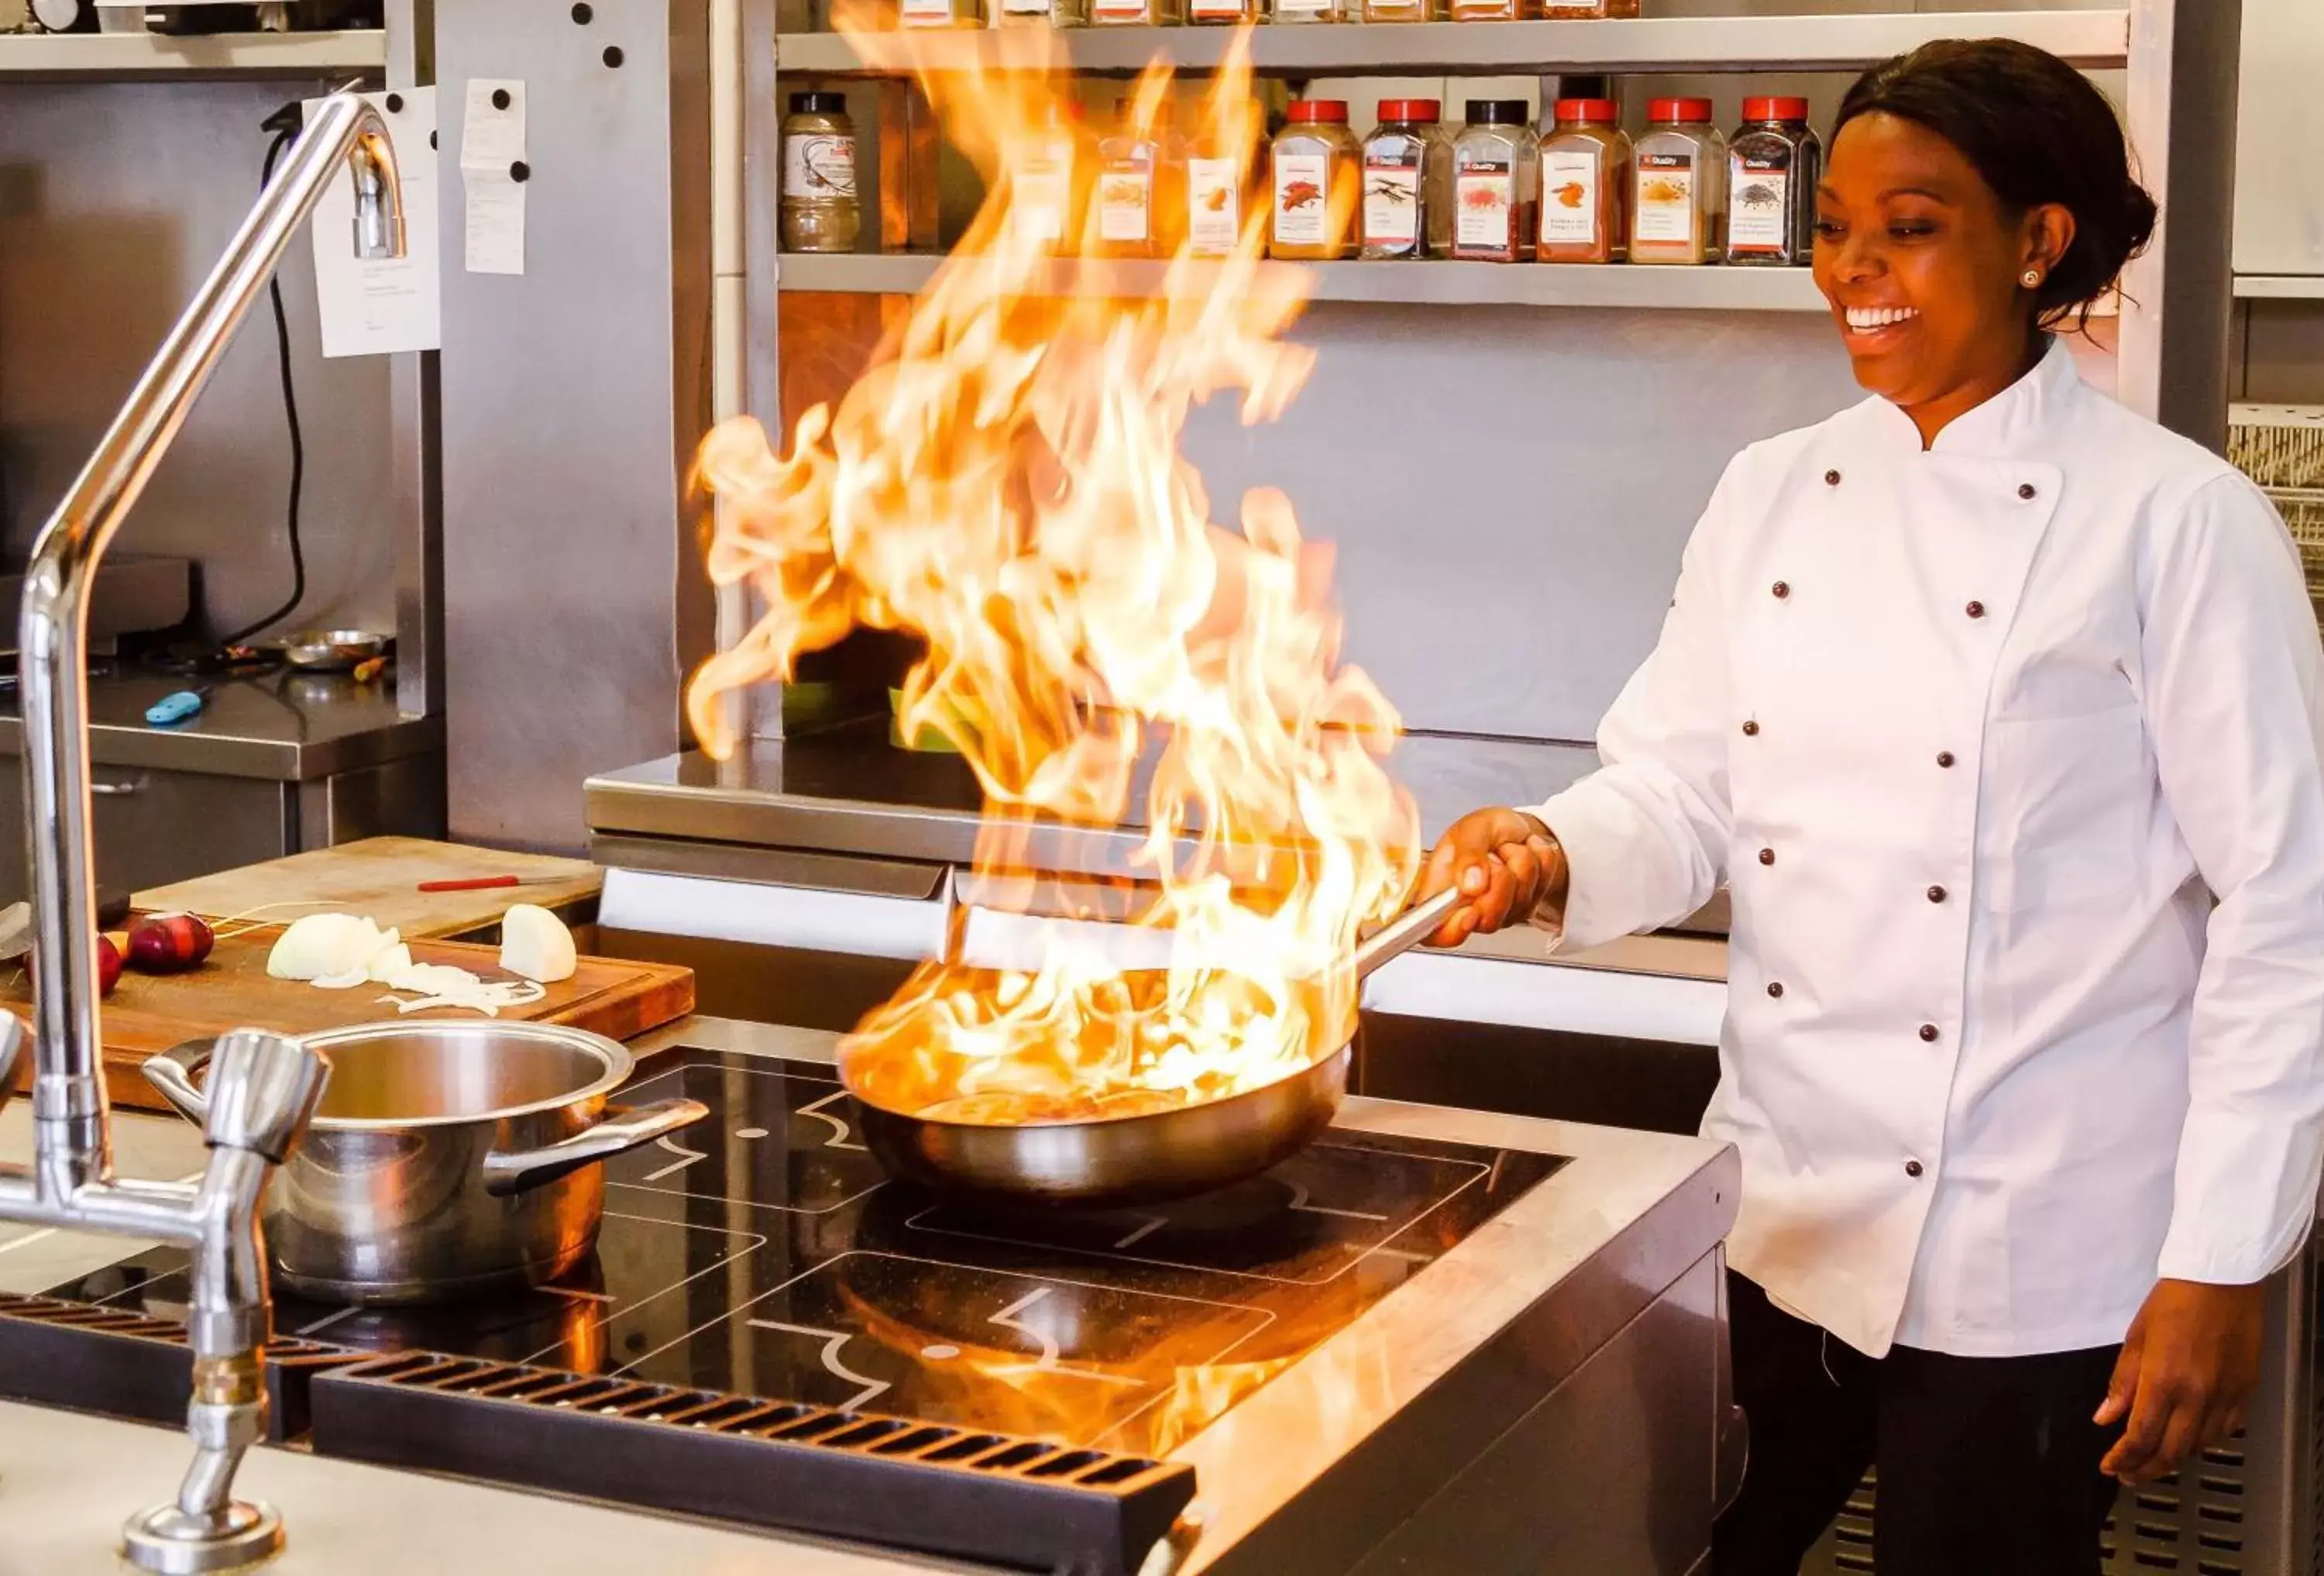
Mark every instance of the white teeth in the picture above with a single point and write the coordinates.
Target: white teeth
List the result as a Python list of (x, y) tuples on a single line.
[(1866, 318)]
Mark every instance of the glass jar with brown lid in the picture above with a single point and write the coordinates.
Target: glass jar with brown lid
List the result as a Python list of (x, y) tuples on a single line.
[(1315, 179), (1585, 184)]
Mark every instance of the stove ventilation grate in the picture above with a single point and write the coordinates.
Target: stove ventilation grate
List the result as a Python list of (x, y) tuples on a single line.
[(58, 1353), (933, 1488)]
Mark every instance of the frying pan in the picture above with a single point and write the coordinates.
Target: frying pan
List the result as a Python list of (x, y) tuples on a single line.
[(1143, 1159)]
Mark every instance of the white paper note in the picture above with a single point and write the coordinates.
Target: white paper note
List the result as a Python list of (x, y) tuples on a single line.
[(492, 146), (380, 306), (495, 215), (492, 135)]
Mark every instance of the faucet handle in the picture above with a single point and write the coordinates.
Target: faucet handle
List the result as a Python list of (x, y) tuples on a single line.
[(263, 1089)]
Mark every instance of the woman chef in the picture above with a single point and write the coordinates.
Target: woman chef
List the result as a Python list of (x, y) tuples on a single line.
[(1996, 707)]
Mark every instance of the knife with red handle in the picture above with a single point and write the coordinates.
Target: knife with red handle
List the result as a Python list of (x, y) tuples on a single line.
[(485, 883)]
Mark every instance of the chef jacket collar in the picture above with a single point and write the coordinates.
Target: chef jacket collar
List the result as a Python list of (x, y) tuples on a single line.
[(2005, 425)]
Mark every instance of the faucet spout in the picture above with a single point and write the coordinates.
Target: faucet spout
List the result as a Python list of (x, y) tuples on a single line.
[(72, 1136), (274, 1084), (379, 198)]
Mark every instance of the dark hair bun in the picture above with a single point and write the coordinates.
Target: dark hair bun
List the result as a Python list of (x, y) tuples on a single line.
[(2038, 132)]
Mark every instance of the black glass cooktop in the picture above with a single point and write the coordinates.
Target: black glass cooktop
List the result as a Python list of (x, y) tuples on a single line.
[(763, 1252)]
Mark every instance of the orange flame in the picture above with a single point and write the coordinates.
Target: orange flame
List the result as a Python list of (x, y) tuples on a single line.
[(1006, 484)]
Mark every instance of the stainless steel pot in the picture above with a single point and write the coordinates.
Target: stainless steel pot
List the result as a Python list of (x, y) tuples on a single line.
[(447, 1159), (1115, 1161)]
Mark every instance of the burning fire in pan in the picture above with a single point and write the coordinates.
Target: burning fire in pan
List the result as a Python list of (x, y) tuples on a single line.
[(1006, 484)]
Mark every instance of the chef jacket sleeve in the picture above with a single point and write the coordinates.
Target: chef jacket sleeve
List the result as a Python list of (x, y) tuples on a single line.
[(1646, 835), (2231, 689)]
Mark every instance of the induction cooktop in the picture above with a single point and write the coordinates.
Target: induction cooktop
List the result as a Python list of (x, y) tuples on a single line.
[(763, 1252)]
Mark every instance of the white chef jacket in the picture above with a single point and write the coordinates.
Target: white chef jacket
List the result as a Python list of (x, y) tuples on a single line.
[(1975, 735)]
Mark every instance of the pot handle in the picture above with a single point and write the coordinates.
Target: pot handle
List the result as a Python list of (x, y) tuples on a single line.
[(173, 1073), (621, 1130)]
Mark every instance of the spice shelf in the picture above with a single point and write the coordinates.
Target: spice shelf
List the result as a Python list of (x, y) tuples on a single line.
[(131, 56), (2087, 38), (1432, 284), (2280, 286)]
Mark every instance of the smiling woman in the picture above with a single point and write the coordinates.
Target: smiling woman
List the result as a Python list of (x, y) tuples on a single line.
[(1996, 707), (1978, 193)]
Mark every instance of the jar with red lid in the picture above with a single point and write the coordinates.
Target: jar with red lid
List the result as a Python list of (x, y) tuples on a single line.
[(1585, 184), (1315, 177), (1408, 204), (1678, 204), (1773, 166)]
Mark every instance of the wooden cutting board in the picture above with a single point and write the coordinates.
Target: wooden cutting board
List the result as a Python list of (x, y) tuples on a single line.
[(149, 1013), (380, 877)]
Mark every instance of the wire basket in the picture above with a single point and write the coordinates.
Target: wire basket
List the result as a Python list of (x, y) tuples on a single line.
[(2279, 446)]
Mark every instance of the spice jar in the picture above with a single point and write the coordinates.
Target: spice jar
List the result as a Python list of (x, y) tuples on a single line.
[(1141, 175), (1585, 185), (1574, 10), (1220, 186), (1044, 13), (1317, 172), (1403, 10), (1294, 12), (1408, 210), (940, 13), (1138, 12), (819, 205), (1225, 13), (1488, 10), (1773, 166), (1045, 197), (1678, 204), (1494, 169)]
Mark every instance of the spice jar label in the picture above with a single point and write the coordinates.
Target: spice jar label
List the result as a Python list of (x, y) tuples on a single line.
[(1303, 199), (818, 165), (1217, 10), (927, 12), (1392, 198), (1484, 207), (1568, 197), (1301, 7), (1125, 199), (1121, 10), (1758, 223), (1214, 205), (1044, 194), (1665, 205)]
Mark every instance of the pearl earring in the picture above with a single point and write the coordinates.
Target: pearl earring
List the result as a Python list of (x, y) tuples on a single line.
[(2031, 279)]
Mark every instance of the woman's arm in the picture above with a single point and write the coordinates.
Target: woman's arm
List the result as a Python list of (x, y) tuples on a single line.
[(2233, 687), (1643, 841)]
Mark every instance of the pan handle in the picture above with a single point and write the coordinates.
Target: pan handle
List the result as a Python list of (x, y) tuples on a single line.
[(621, 1131), (1405, 931)]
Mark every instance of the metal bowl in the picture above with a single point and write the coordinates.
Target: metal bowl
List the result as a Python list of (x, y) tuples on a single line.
[(331, 650)]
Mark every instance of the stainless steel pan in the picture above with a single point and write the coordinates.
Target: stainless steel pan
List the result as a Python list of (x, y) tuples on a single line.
[(1146, 1158)]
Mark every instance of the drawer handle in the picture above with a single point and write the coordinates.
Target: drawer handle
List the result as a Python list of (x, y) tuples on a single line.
[(119, 790)]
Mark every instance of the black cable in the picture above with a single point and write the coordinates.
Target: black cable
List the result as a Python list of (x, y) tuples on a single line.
[(284, 123)]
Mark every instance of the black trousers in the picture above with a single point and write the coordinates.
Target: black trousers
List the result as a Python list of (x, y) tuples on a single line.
[(1987, 1466)]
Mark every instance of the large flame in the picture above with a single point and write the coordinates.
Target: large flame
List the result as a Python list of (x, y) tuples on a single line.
[(1006, 484)]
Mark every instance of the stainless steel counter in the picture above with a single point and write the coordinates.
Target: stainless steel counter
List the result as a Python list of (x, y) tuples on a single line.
[(849, 791), (285, 727), (1396, 1438)]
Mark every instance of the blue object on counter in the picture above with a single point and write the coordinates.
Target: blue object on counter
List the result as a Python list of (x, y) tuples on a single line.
[(178, 708)]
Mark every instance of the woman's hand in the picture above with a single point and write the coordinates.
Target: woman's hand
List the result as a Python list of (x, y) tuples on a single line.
[(2188, 1364), (1506, 863)]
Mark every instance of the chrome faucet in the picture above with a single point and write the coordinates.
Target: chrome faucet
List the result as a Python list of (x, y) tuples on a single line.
[(263, 1087)]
